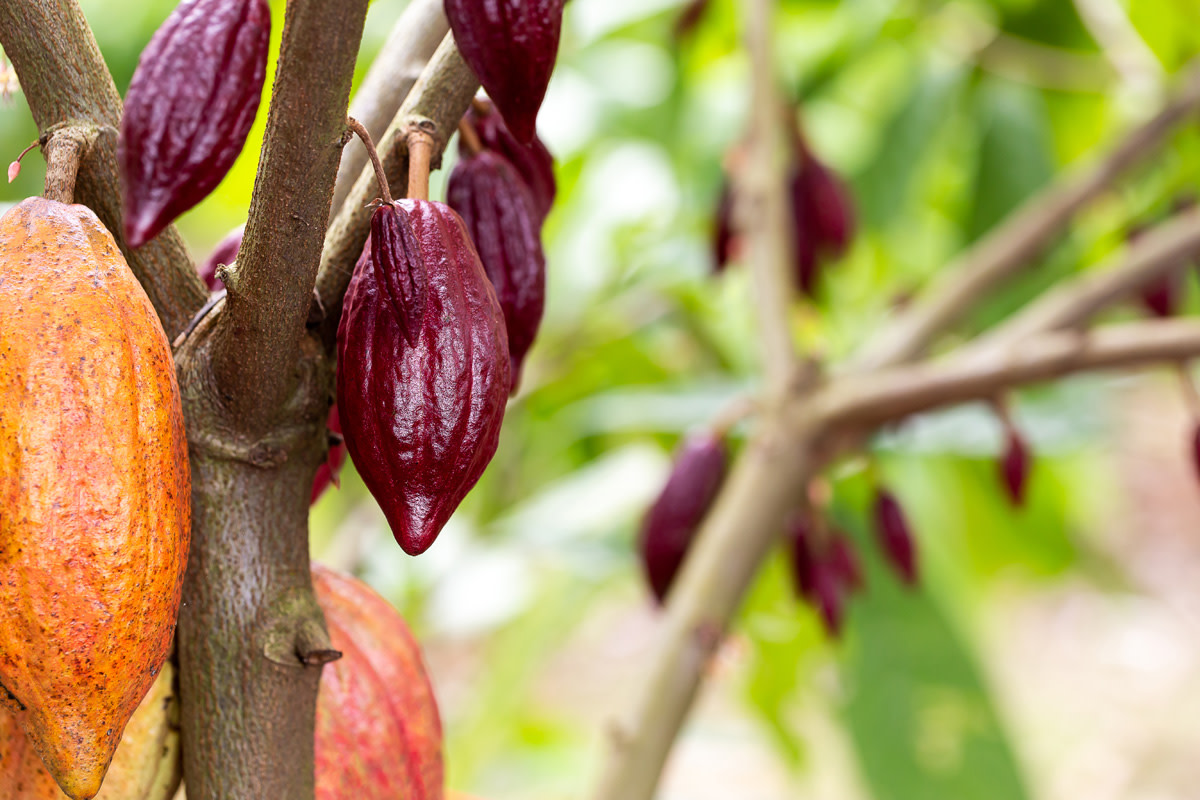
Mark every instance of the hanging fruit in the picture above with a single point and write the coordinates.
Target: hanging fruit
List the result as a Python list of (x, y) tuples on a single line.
[(189, 108), (532, 161), (511, 46), (895, 537), (94, 485), (423, 365), (378, 733), (673, 521)]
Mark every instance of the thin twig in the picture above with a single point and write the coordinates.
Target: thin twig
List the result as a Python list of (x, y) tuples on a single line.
[(1011, 247), (470, 137), (385, 191)]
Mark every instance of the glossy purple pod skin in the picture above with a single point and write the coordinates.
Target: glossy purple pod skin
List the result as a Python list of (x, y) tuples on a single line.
[(394, 242), (895, 537), (422, 420), (189, 108), (532, 161), (511, 46), (498, 211), (671, 523), (224, 253), (329, 473), (802, 559), (1014, 467)]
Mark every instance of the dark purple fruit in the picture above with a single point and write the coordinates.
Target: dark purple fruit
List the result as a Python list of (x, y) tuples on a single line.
[(1014, 467), (894, 536), (671, 523), (802, 559), (189, 109), (421, 391), (498, 211), (511, 46), (532, 161)]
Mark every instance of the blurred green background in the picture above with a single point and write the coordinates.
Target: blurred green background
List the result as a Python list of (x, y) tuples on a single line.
[(1049, 652)]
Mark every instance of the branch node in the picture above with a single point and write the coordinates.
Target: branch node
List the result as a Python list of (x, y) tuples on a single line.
[(294, 633), (65, 149)]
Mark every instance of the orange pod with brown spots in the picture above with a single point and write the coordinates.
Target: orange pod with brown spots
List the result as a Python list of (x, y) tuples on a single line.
[(146, 766), (379, 736), (94, 489)]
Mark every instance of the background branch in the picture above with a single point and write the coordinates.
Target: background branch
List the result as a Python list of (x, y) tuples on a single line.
[(891, 394), (441, 96), (257, 342), (1012, 246), (413, 40), (66, 81), (1168, 247)]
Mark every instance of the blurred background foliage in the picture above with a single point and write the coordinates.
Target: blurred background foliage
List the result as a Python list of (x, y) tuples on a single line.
[(1048, 653)]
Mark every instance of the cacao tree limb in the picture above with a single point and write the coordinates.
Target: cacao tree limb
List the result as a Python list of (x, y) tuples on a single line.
[(890, 394), (414, 38), (1168, 247), (441, 96), (1011, 246), (257, 341), (65, 80), (761, 208), (65, 150)]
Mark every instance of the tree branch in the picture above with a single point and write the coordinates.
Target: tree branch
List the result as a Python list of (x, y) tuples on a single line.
[(257, 342), (66, 81), (1011, 247), (761, 205), (874, 399), (1166, 248), (413, 40), (441, 96)]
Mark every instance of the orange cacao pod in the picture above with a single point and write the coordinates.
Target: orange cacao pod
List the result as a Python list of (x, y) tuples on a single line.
[(146, 766), (379, 736), (94, 487)]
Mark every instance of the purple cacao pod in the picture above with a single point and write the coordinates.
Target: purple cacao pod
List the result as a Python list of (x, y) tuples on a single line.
[(421, 413), (895, 538), (1161, 297), (511, 46), (802, 560), (497, 208), (189, 108), (532, 161), (671, 523), (394, 241), (723, 228), (1014, 467), (829, 598), (842, 558), (328, 474), (224, 253)]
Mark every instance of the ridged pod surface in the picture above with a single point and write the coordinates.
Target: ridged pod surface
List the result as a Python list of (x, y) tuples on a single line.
[(146, 766), (532, 161), (378, 735), (422, 419), (189, 108), (498, 211), (511, 46), (672, 522), (94, 485)]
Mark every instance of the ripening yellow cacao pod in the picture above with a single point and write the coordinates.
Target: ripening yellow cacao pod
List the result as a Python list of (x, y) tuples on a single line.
[(146, 766), (94, 489)]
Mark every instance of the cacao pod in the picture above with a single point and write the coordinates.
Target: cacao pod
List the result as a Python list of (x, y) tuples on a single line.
[(895, 538), (189, 108), (94, 484), (146, 765), (801, 558), (331, 467), (511, 46), (671, 523), (843, 558), (1014, 467), (421, 396), (723, 235), (378, 734), (224, 253), (532, 161), (498, 211)]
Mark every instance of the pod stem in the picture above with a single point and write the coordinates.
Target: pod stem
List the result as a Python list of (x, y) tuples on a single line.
[(420, 156), (65, 148), (470, 137), (360, 131)]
